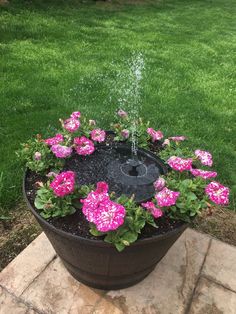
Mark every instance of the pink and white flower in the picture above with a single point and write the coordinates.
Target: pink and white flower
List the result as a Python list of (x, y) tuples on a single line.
[(100, 210), (159, 184), (37, 156), (218, 193), (61, 151), (58, 138), (166, 197), (125, 133), (155, 135), (180, 164), (203, 173), (98, 135), (91, 204), (121, 113), (204, 156), (150, 206), (75, 115), (63, 184), (71, 125), (109, 216), (177, 138), (83, 146)]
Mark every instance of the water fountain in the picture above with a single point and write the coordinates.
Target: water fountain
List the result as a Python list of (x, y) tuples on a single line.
[(128, 169)]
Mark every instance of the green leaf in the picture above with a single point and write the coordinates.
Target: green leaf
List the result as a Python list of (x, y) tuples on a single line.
[(93, 230), (38, 203), (119, 246), (130, 237)]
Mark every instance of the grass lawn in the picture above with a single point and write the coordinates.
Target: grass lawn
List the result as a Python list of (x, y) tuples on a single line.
[(59, 56)]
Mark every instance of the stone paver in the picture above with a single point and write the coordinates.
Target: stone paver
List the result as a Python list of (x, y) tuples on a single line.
[(38, 283), (168, 288), (211, 298), (10, 304), (27, 265), (220, 264), (56, 291)]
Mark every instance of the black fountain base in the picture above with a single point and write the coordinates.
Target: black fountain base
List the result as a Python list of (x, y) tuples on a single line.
[(124, 174)]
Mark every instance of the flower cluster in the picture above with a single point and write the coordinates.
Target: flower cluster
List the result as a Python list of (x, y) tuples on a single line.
[(63, 184), (203, 173), (71, 124), (58, 138), (83, 145), (180, 164), (101, 210), (204, 157), (159, 184), (217, 193), (155, 135), (150, 206), (177, 138), (61, 151), (98, 135), (166, 197)]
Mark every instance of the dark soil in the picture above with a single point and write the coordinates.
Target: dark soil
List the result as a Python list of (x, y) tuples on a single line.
[(76, 223)]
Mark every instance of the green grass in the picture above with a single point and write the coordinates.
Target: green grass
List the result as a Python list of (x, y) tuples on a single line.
[(59, 56)]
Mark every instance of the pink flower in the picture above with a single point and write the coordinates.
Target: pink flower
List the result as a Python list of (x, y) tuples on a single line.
[(98, 135), (177, 138), (71, 125), (92, 122), (205, 157), (155, 135), (218, 193), (159, 184), (203, 174), (63, 184), (75, 115), (54, 140), (100, 210), (121, 113), (91, 204), (180, 164), (166, 197), (125, 133), (61, 151), (150, 206), (109, 216), (83, 146), (102, 187), (37, 156)]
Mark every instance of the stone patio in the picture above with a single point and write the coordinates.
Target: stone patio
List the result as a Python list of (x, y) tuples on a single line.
[(197, 276)]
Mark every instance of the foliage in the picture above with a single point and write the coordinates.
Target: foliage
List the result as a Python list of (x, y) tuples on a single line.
[(192, 198), (138, 127), (27, 155), (49, 205), (135, 220)]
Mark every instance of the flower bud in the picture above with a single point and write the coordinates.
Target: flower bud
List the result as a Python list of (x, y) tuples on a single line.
[(159, 184), (92, 122), (37, 156), (121, 113), (125, 133)]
